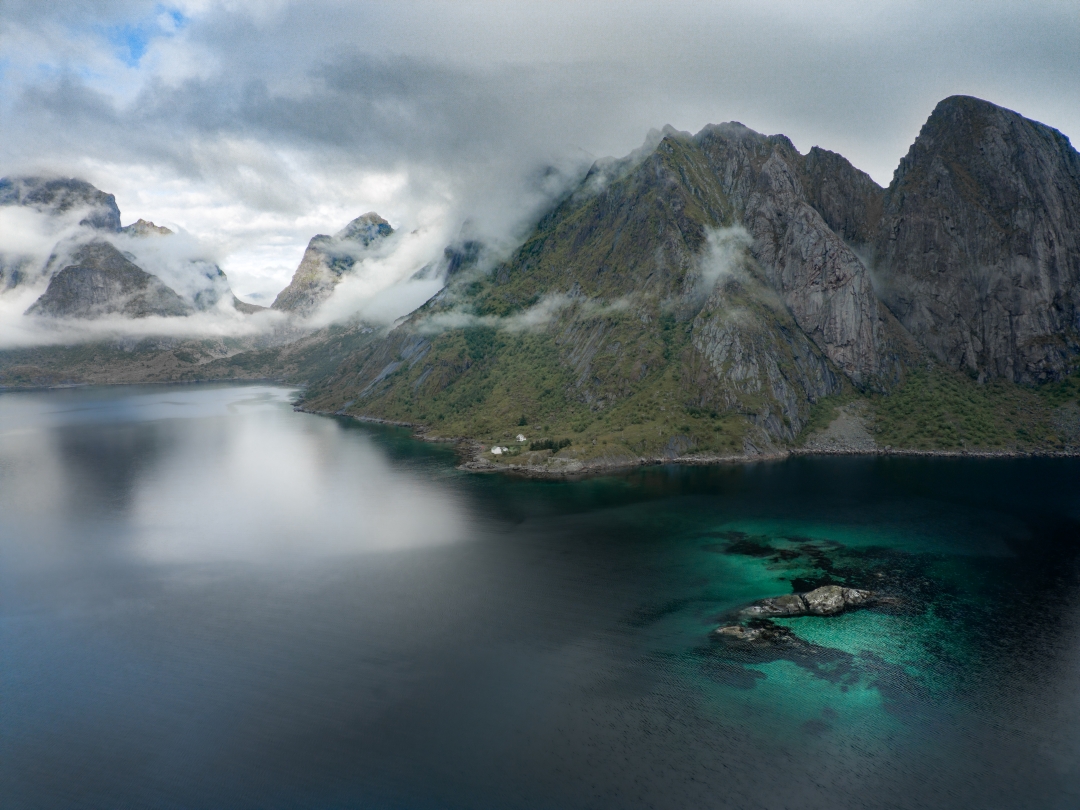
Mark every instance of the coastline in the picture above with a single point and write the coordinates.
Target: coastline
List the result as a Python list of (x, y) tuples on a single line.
[(474, 457), (588, 468), (840, 438)]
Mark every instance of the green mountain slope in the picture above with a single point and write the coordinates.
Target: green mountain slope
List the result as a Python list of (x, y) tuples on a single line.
[(635, 321), (706, 297)]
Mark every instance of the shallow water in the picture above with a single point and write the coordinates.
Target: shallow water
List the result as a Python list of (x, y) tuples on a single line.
[(209, 600)]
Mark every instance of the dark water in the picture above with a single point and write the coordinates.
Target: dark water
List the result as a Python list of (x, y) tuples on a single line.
[(210, 601)]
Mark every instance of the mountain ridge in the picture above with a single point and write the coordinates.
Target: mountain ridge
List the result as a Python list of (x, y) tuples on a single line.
[(722, 295)]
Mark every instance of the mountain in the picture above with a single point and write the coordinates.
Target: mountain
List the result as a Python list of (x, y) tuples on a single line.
[(700, 277), (93, 269), (327, 260), (979, 244), (56, 196), (60, 199), (143, 227), (100, 281), (714, 295)]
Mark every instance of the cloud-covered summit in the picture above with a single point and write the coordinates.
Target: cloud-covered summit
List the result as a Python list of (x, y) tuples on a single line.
[(253, 125)]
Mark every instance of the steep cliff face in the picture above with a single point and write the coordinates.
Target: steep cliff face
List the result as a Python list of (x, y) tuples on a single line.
[(848, 200), (979, 245), (327, 260), (757, 362), (101, 282), (773, 190)]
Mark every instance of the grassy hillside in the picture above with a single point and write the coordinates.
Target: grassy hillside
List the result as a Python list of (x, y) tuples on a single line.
[(941, 409), (491, 385)]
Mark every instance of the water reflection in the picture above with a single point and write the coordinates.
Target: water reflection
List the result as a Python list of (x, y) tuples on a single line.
[(104, 464), (209, 473)]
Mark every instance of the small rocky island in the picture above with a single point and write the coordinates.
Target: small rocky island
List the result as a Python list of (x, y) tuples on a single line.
[(828, 600)]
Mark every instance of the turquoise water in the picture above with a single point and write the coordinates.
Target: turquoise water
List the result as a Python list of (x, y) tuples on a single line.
[(210, 600)]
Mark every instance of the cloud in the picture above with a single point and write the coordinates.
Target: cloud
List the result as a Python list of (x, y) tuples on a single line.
[(37, 244), (221, 322), (725, 251), (535, 318), (381, 286), (28, 236), (254, 125), (179, 260)]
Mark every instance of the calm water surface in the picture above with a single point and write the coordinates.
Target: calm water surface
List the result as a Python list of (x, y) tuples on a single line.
[(208, 600)]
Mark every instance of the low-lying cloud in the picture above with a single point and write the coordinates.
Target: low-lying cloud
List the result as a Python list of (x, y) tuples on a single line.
[(724, 255), (253, 125), (221, 322), (535, 318)]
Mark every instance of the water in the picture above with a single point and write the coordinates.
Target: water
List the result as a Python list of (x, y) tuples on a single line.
[(208, 600)]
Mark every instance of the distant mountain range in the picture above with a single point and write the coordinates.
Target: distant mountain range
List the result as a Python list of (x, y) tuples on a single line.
[(88, 275), (722, 294)]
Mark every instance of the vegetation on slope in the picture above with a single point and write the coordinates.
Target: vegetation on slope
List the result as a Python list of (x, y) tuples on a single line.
[(940, 409)]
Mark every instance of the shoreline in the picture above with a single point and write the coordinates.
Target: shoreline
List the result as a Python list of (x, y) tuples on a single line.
[(474, 458), (587, 469)]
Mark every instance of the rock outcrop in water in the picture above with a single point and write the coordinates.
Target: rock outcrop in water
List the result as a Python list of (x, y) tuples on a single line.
[(828, 600)]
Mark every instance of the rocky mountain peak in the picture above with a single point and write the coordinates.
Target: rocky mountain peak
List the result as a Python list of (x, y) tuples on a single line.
[(365, 229), (848, 199), (983, 139), (979, 245), (145, 228), (327, 260), (59, 195)]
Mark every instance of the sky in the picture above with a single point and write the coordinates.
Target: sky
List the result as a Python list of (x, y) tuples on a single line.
[(253, 126)]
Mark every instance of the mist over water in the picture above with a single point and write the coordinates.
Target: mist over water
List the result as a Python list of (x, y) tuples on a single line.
[(209, 600)]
